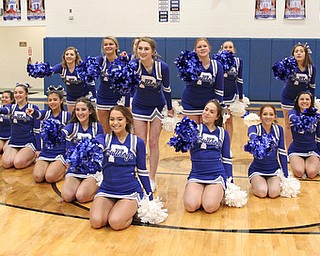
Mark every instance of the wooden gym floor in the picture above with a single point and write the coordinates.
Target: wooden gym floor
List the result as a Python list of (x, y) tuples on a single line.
[(34, 221)]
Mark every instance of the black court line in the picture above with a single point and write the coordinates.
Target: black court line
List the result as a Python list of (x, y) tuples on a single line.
[(280, 230)]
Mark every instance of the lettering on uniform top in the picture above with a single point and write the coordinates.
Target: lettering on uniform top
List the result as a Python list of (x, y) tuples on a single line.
[(232, 72), (71, 80), (206, 77), (210, 140), (302, 78), (19, 116), (120, 151), (149, 81), (83, 136)]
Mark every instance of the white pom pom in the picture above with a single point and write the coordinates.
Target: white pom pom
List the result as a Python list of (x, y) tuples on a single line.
[(176, 107), (237, 108), (317, 104), (290, 187), (251, 119), (234, 196), (246, 101), (169, 123), (121, 101), (151, 211)]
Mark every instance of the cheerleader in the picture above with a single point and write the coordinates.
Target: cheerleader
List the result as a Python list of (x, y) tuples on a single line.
[(303, 80), (211, 163), (106, 97), (51, 164), (6, 99), (75, 88), (24, 143), (208, 86), (124, 173), (83, 124), (263, 173), (150, 98), (233, 84), (304, 150)]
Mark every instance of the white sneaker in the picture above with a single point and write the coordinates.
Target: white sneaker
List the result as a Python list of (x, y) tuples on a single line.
[(231, 155), (153, 184)]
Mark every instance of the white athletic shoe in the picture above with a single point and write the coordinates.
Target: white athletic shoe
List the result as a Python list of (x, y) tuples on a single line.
[(231, 155)]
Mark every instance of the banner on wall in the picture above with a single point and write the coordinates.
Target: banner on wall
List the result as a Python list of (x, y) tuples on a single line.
[(295, 9), (265, 9), (36, 10), (12, 10)]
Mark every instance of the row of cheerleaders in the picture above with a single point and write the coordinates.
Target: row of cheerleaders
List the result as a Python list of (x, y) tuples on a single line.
[(85, 155)]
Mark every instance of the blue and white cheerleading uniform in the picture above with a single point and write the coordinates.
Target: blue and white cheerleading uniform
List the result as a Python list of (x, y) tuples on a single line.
[(210, 85), (306, 143), (122, 161), (75, 88), (74, 133), (210, 157), (106, 97), (269, 165), (300, 81), (233, 82), (5, 126), (25, 130), (153, 92), (58, 151)]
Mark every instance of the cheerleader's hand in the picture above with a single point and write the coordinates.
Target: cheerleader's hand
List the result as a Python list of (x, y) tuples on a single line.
[(170, 113), (29, 111), (124, 54), (37, 154)]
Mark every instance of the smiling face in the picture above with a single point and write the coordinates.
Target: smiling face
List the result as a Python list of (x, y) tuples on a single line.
[(54, 102), (109, 47), (6, 99), (20, 95), (70, 56), (304, 101), (145, 51), (267, 116), (117, 122), (228, 46), (202, 48), (82, 113), (210, 114)]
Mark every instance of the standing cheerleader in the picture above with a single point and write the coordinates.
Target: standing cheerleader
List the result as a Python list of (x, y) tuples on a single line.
[(263, 171), (84, 123), (302, 80), (5, 126), (75, 88), (124, 173), (24, 143), (208, 86), (304, 150), (233, 84), (151, 96), (106, 97), (51, 165), (211, 163)]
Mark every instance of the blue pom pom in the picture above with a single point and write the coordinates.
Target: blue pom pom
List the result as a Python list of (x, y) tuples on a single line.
[(88, 70), (187, 134), (51, 133), (86, 157), (285, 68), (123, 76), (261, 146), (226, 59), (39, 70), (188, 65), (305, 122)]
